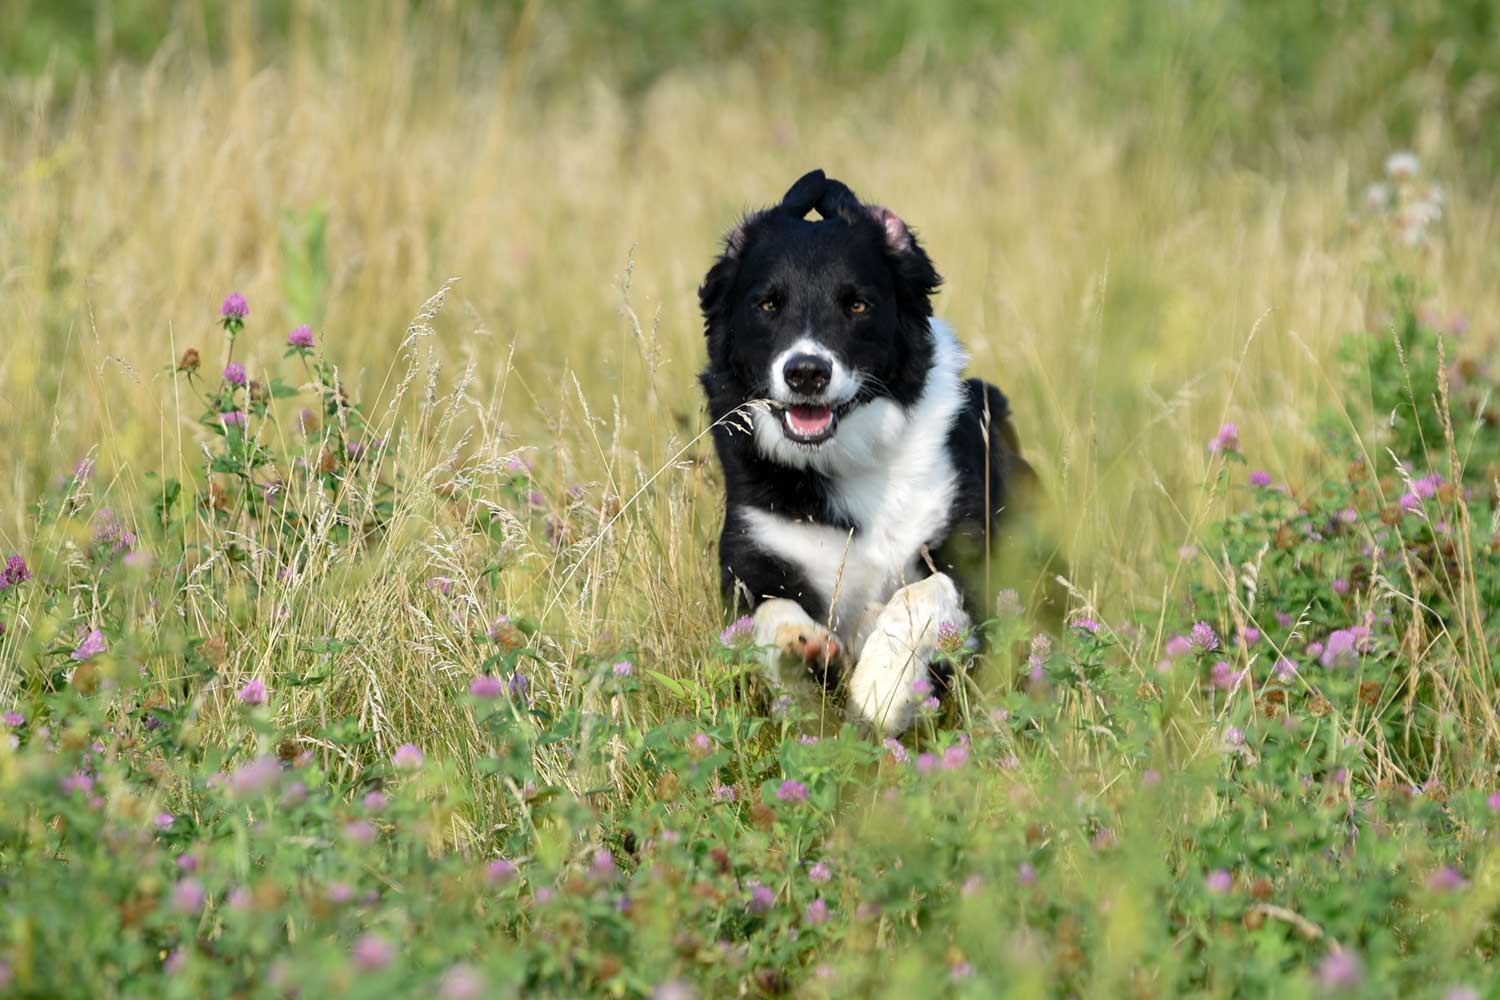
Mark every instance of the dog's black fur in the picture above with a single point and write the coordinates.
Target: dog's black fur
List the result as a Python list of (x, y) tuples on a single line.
[(811, 271)]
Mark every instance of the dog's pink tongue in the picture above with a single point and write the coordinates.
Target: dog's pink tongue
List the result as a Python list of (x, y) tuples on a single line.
[(809, 420)]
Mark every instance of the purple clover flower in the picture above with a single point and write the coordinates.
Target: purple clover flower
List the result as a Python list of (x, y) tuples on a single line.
[(234, 373), (188, 896), (235, 307), (77, 782), (256, 776), (1446, 879), (1260, 478), (761, 898), (1225, 677), (739, 634), (408, 757), (622, 668), (15, 573), (1228, 439), (462, 982), (233, 418), (371, 953), (300, 337), (820, 873), (486, 686), (898, 751), (1345, 646), (360, 831), (253, 693), (1341, 970), (111, 532), (501, 871), (92, 645), (1219, 881), (792, 791), (817, 912), (950, 637), (1203, 638)]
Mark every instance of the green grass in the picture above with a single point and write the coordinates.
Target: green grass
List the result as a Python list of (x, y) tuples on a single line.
[(1103, 812)]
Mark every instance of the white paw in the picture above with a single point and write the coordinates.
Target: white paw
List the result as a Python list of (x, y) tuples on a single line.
[(791, 638), (903, 641)]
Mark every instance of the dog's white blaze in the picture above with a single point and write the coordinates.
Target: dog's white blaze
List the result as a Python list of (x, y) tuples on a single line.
[(891, 474), (842, 384)]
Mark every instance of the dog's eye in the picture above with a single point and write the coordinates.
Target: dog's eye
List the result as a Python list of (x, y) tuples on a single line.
[(766, 305), (859, 307)]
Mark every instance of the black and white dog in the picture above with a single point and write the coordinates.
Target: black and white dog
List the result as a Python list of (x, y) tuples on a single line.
[(862, 470)]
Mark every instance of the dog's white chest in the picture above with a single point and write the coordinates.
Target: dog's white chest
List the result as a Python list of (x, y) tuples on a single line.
[(899, 509)]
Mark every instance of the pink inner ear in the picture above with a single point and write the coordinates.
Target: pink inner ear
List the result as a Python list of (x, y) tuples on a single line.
[(897, 237)]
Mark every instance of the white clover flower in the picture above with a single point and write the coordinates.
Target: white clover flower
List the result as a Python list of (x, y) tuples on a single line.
[(1402, 166)]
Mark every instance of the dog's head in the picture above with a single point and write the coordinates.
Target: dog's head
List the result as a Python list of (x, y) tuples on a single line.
[(821, 317)]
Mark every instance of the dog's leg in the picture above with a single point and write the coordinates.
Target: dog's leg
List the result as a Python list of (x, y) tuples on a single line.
[(901, 644), (788, 633)]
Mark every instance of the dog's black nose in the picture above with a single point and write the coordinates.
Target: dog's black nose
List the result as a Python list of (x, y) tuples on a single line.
[(807, 373)]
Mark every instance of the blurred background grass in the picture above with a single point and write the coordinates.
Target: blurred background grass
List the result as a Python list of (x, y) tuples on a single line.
[(1148, 215)]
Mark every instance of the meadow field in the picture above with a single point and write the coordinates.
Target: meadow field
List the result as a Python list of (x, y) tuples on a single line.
[(360, 632)]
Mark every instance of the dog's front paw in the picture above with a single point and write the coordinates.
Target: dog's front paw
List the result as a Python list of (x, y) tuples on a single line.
[(808, 643), (791, 638), (883, 690)]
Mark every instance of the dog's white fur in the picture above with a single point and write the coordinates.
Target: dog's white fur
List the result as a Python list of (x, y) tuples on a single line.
[(842, 384), (890, 473), (903, 641)]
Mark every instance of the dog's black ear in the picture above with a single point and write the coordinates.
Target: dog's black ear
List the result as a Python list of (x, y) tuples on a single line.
[(838, 202), (803, 196), (716, 285), (720, 277)]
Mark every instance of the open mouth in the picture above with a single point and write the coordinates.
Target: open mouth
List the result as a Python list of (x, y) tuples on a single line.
[(809, 424)]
